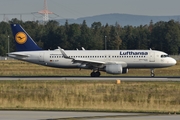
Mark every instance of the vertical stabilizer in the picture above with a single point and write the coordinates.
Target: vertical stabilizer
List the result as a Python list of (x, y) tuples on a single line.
[(23, 41)]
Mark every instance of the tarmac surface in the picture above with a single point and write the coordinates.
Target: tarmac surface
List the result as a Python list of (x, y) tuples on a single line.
[(122, 78), (62, 115)]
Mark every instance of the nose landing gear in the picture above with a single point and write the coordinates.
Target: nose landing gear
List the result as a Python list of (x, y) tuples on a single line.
[(152, 73)]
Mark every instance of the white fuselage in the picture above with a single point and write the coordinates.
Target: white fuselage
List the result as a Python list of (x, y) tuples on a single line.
[(133, 58)]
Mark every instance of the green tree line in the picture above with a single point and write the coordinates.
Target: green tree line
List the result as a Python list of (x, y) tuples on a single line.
[(164, 36)]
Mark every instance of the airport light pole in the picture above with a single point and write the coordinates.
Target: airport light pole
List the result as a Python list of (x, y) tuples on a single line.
[(105, 46), (8, 46), (8, 43)]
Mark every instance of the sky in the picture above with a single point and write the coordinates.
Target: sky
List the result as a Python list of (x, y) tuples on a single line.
[(83, 8)]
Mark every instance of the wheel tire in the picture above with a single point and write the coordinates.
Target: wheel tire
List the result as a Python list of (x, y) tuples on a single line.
[(93, 74), (98, 74), (152, 75)]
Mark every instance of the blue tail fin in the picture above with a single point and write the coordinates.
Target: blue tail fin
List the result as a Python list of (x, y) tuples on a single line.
[(23, 41)]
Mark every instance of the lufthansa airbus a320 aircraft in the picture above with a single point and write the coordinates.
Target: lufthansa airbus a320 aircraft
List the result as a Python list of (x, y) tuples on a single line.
[(110, 61)]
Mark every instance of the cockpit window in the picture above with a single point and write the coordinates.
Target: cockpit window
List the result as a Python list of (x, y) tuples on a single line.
[(163, 56)]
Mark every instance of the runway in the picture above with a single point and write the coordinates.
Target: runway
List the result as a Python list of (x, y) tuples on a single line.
[(62, 115), (104, 78)]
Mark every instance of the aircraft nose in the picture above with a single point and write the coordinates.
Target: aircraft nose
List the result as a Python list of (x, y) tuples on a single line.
[(173, 61)]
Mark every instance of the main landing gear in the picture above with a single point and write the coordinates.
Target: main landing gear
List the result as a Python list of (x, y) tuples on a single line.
[(95, 73), (152, 73)]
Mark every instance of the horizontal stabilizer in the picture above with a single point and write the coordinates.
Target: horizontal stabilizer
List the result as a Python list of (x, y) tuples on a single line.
[(17, 55)]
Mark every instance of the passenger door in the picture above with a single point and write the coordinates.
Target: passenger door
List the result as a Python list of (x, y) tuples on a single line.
[(152, 57)]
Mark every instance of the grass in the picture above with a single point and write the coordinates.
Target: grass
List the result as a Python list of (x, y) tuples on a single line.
[(87, 95), (91, 95), (19, 68)]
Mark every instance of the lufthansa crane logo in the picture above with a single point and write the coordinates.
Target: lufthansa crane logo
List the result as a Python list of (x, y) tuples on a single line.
[(21, 37)]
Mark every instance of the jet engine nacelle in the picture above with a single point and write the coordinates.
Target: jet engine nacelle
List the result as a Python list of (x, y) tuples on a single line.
[(115, 68)]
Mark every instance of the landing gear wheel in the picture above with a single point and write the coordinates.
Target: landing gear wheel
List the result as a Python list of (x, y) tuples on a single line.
[(152, 73), (95, 74), (98, 74)]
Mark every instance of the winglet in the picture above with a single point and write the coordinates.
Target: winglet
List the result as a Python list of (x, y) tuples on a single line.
[(63, 53), (82, 48)]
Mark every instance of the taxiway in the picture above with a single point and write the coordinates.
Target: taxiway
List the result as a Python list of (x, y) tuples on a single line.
[(122, 78)]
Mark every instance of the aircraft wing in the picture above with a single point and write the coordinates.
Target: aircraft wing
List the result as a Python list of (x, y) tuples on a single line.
[(87, 61), (82, 61), (99, 64)]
